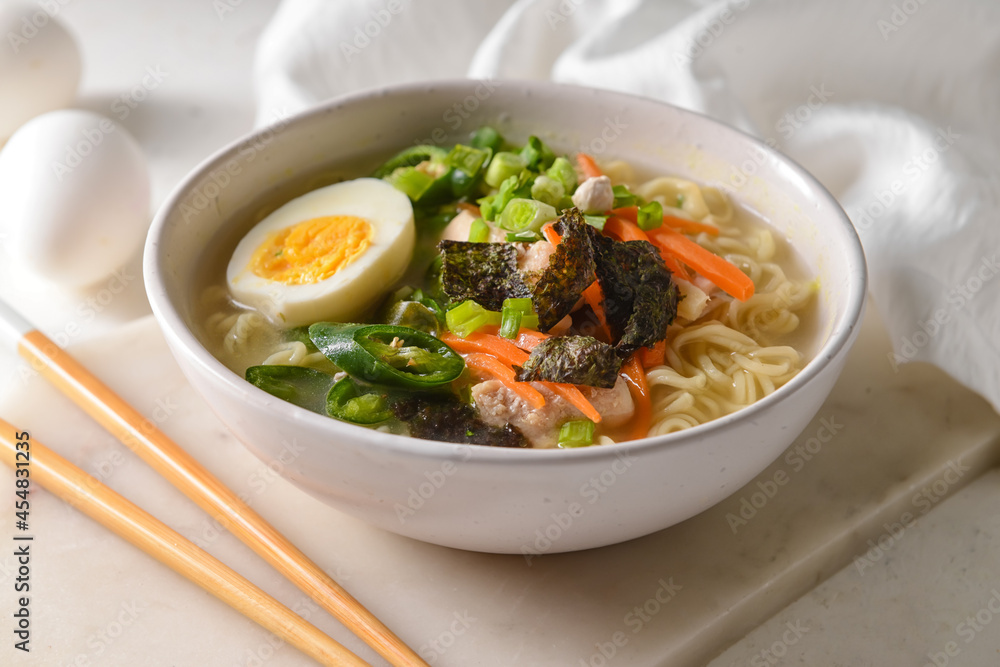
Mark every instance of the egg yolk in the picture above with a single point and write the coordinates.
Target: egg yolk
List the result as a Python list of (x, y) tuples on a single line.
[(313, 250)]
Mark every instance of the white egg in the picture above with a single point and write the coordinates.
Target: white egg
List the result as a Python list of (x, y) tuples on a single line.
[(327, 255), (74, 196), (39, 65)]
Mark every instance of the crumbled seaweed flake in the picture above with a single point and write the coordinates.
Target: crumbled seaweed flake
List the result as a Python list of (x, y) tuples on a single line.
[(484, 272), (573, 359), (570, 271), (640, 299), (454, 421)]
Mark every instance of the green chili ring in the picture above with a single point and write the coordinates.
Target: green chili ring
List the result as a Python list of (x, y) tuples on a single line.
[(349, 402), (386, 354), (411, 157)]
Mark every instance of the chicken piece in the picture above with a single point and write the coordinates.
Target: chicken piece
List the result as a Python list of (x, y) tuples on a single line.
[(614, 404), (458, 229), (594, 195), (533, 259), (693, 300), (498, 406)]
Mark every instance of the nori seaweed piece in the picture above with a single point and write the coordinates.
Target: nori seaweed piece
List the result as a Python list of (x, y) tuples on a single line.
[(573, 359), (484, 272), (453, 421), (616, 289), (655, 308), (570, 271), (640, 299)]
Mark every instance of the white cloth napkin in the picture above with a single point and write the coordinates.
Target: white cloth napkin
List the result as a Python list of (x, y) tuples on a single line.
[(893, 104)]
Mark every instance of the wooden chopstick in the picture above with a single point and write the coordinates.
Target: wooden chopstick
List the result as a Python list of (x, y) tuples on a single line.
[(179, 468), (90, 496)]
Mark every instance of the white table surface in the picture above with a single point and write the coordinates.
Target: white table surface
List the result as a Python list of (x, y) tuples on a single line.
[(800, 577)]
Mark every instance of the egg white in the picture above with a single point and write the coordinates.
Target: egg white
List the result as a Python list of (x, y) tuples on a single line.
[(354, 288)]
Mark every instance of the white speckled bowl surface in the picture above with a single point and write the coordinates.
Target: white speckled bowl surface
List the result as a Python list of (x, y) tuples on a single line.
[(488, 499)]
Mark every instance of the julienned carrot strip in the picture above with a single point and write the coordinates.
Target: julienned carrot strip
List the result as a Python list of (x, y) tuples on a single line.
[(623, 230), (575, 398), (494, 366), (634, 374), (630, 213), (501, 348), (726, 275), (675, 267), (527, 339), (595, 299), (689, 226), (626, 230), (655, 355), (588, 166), (551, 235), (505, 374), (562, 326)]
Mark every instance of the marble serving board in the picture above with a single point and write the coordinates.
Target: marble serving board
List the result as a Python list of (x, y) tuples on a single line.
[(887, 448)]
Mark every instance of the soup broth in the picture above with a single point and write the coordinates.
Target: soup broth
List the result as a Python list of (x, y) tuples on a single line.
[(720, 354)]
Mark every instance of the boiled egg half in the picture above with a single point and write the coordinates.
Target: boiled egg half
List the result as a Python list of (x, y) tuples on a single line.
[(327, 255)]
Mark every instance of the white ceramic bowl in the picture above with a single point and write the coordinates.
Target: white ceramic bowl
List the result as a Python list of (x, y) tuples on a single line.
[(481, 498)]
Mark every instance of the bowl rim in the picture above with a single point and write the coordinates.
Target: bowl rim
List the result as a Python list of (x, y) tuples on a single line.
[(844, 328)]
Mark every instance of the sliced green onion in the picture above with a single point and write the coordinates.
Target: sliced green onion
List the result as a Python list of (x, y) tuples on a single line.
[(523, 305), (527, 317), (410, 181), (479, 231), (507, 192), (650, 216), (527, 236), (596, 221), (487, 207), (467, 317), (510, 322), (503, 166), (492, 206), (486, 137), (623, 197), (468, 159), (526, 214), (536, 154), (547, 189), (576, 433), (562, 170)]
